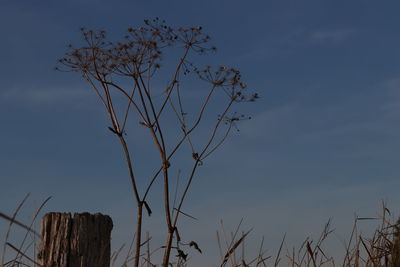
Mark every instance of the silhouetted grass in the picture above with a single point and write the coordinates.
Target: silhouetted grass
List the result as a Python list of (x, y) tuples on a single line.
[(382, 248)]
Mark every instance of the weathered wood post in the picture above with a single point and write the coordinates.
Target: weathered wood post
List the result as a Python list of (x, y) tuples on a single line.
[(79, 241)]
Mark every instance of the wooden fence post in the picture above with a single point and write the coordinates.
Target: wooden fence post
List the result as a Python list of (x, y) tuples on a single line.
[(79, 241)]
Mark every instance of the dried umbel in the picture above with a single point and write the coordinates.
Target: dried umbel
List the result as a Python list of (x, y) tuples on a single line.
[(128, 68)]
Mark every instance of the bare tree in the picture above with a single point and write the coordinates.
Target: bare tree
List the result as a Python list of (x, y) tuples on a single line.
[(130, 68)]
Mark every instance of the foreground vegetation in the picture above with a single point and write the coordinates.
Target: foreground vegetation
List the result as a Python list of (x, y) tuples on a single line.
[(382, 248)]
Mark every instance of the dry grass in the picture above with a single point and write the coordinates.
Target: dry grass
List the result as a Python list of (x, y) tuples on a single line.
[(18, 255), (382, 248)]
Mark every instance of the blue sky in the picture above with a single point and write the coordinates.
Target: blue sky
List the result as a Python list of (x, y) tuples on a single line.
[(324, 140)]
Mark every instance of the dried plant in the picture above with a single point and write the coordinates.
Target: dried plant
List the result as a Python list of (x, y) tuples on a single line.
[(380, 249), (131, 69), (20, 255)]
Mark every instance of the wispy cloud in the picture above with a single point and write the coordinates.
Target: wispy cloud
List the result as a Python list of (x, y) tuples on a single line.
[(361, 125), (392, 106), (272, 123), (290, 42), (42, 95), (332, 35)]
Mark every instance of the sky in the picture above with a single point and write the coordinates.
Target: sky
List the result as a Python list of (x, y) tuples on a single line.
[(323, 141)]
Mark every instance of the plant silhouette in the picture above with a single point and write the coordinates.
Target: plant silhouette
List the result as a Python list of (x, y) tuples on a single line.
[(129, 68)]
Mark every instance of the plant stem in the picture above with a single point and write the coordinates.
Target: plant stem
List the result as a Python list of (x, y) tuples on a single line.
[(138, 233), (167, 251)]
